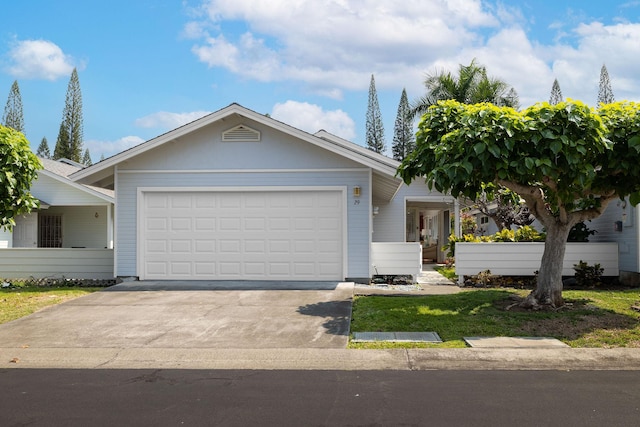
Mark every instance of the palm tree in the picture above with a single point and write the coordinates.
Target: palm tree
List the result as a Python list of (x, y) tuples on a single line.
[(470, 86)]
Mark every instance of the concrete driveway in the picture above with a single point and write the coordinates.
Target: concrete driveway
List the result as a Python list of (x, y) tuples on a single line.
[(207, 315)]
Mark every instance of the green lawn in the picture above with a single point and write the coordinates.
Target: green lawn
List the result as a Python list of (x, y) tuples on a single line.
[(16, 302), (591, 318)]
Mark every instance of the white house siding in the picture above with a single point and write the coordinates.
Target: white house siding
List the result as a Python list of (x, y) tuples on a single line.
[(389, 224), (25, 263), (204, 150), (6, 238), (82, 226), (358, 210), (627, 239)]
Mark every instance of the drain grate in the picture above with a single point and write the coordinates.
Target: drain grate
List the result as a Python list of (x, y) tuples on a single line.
[(396, 337)]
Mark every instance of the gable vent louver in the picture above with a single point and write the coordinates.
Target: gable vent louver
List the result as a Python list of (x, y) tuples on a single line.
[(241, 133)]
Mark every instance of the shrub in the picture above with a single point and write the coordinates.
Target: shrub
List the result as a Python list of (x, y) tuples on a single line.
[(580, 233), (522, 234), (450, 247), (587, 275), (529, 234), (504, 235)]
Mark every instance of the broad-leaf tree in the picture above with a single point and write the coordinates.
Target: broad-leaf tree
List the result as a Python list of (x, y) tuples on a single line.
[(18, 167), (566, 161), (403, 136), (374, 127), (504, 207)]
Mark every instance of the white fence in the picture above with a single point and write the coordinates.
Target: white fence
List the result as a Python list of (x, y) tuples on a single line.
[(396, 258), (23, 263), (523, 258)]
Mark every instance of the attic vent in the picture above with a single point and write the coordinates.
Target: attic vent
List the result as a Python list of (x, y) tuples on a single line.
[(241, 133)]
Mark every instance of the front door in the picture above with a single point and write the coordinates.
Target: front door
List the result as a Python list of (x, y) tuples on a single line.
[(25, 233)]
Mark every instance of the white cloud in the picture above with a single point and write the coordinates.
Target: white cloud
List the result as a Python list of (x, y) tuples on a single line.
[(312, 118), (169, 121), (577, 66), (109, 148), (39, 59), (333, 46)]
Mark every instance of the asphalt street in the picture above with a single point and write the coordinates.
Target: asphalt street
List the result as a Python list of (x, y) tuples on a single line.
[(62, 397)]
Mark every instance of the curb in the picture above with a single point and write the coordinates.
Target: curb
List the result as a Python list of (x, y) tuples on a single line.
[(321, 359)]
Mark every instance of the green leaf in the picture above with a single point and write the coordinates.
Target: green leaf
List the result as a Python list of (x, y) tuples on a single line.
[(479, 148), (634, 198), (529, 162), (467, 166), (495, 150)]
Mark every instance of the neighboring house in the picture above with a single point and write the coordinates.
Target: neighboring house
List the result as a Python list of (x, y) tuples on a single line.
[(237, 195), (70, 235), (620, 223)]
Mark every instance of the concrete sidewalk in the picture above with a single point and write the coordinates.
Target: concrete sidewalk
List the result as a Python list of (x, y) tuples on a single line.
[(321, 359)]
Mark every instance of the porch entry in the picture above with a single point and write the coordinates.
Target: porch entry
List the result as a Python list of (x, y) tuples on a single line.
[(428, 222)]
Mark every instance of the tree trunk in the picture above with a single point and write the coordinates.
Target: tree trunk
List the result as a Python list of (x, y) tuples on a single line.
[(548, 290)]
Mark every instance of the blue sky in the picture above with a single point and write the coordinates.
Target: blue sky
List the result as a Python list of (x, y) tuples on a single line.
[(148, 66)]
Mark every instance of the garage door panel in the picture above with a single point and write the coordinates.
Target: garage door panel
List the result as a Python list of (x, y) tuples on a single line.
[(207, 223), (156, 224), (255, 246), (204, 269), (206, 246), (180, 268), (286, 235)]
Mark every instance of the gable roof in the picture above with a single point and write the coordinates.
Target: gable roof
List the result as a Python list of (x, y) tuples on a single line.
[(60, 170), (384, 168)]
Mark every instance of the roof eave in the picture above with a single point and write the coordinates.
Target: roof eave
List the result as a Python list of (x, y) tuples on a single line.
[(78, 186)]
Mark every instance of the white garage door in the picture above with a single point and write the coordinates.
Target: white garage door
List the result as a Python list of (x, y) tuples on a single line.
[(275, 235)]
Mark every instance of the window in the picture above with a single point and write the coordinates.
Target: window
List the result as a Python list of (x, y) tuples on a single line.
[(484, 220), (49, 231)]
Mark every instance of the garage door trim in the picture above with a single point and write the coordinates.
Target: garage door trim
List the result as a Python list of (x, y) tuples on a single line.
[(141, 191)]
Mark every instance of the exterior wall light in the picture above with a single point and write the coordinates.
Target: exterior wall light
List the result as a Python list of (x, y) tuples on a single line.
[(356, 191)]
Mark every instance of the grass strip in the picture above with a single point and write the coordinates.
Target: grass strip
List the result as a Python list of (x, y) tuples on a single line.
[(595, 318), (16, 302)]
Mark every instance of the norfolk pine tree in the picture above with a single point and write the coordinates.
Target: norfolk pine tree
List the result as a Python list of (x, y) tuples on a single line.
[(13, 116), (43, 149), (403, 138), (567, 162), (556, 93), (86, 158), (605, 94), (374, 126), (69, 143)]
